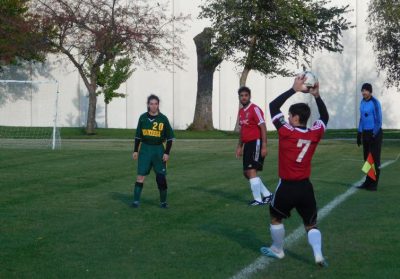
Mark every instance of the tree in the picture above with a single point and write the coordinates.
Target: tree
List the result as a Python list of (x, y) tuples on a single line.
[(94, 33), (384, 33), (267, 35), (22, 37), (207, 62), (110, 78)]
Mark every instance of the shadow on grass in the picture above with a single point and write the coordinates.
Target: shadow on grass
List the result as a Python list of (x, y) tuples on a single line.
[(223, 194), (246, 238), (300, 258), (127, 199), (122, 197)]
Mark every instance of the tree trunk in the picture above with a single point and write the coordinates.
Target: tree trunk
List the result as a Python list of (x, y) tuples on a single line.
[(106, 115), (91, 115), (246, 71), (242, 82), (206, 65)]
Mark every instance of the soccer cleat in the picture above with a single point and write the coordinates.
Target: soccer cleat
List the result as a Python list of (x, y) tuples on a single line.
[(267, 251), (135, 204), (164, 205), (267, 200), (363, 186), (321, 262), (255, 203)]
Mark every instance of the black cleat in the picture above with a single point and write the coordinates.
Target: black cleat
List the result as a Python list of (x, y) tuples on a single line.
[(164, 205), (134, 204), (363, 186), (255, 203), (267, 200)]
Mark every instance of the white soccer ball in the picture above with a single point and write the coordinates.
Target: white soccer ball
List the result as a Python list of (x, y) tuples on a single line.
[(311, 79)]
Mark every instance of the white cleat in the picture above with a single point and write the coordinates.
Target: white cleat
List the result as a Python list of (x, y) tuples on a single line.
[(269, 252)]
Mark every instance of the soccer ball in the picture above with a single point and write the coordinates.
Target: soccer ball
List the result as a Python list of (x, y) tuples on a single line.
[(311, 79)]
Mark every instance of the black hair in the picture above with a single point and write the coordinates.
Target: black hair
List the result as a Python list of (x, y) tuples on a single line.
[(367, 86), (244, 89), (152, 97), (302, 110)]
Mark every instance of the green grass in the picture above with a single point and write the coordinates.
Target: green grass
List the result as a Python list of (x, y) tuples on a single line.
[(110, 133), (65, 214)]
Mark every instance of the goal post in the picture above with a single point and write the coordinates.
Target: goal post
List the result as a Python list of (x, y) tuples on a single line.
[(29, 114)]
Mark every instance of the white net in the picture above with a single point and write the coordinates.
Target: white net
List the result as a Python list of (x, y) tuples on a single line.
[(28, 114)]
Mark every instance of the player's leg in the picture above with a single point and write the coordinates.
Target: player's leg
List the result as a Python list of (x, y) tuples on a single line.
[(160, 168), (366, 141), (143, 169), (252, 161), (279, 209), (375, 149), (259, 162), (307, 208)]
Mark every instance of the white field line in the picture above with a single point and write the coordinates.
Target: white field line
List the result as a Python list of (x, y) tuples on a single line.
[(262, 262)]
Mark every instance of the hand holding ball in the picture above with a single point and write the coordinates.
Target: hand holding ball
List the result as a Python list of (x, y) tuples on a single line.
[(305, 81)]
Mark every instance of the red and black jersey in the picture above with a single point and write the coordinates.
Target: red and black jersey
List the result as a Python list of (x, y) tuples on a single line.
[(296, 148), (250, 117), (297, 145)]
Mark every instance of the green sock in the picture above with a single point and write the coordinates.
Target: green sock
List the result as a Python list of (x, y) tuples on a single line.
[(163, 196), (137, 191)]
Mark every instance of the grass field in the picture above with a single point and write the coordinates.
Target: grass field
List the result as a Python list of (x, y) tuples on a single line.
[(65, 214)]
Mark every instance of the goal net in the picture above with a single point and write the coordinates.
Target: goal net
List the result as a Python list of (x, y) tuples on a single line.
[(29, 114)]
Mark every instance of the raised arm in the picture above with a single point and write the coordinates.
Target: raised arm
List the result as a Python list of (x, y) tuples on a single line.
[(323, 112), (276, 104)]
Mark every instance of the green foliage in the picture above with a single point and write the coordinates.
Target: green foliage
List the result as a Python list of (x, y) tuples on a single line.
[(266, 35), (22, 37), (384, 33), (112, 75)]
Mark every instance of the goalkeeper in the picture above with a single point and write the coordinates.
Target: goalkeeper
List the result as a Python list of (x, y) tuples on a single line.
[(152, 131)]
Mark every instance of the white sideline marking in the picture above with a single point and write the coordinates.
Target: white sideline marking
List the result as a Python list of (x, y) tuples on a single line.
[(262, 262)]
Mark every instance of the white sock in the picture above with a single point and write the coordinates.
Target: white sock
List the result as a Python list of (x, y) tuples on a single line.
[(314, 238), (264, 190), (255, 188), (277, 235)]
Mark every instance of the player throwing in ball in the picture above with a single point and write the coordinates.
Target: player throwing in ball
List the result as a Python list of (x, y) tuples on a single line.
[(252, 146), (297, 145), (152, 131)]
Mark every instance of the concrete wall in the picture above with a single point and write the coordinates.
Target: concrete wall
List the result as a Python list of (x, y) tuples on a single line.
[(341, 76)]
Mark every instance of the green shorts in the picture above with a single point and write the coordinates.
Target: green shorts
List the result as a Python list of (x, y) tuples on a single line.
[(150, 156)]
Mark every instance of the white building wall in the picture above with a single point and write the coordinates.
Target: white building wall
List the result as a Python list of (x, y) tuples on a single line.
[(340, 75)]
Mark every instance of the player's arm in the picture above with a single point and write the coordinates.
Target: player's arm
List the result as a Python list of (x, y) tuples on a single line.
[(277, 103), (259, 117), (263, 129), (170, 138), (239, 148), (138, 139), (377, 118), (323, 112)]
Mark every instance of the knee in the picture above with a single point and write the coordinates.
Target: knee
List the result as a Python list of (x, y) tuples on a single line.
[(276, 221), (310, 227), (161, 181), (140, 179)]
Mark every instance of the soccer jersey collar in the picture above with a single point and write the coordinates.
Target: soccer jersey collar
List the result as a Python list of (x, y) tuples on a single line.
[(248, 106)]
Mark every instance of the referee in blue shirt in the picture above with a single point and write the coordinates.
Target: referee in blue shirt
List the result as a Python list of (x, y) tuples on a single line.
[(370, 133)]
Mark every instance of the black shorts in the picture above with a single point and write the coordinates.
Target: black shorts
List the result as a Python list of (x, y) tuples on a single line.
[(295, 194), (252, 158)]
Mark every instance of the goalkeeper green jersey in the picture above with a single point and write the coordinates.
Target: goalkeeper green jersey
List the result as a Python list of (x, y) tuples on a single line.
[(154, 130)]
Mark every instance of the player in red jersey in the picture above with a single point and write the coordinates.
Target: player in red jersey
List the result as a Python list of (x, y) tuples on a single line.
[(297, 145), (253, 146)]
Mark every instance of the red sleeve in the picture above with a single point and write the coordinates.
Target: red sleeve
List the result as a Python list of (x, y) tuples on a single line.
[(258, 115), (318, 130)]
